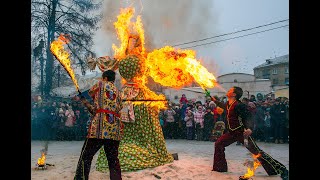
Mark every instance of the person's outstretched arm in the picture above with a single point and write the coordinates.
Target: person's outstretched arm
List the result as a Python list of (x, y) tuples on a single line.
[(218, 103), (86, 103)]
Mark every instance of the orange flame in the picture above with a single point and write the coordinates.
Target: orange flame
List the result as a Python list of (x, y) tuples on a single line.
[(126, 30), (256, 164), (57, 49), (167, 66), (42, 159), (177, 68)]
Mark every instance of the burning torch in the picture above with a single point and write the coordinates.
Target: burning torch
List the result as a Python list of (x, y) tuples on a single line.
[(57, 49)]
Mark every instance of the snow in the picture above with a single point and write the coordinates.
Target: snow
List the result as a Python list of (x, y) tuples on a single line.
[(195, 162)]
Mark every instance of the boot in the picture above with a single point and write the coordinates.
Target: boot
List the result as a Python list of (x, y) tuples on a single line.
[(285, 174)]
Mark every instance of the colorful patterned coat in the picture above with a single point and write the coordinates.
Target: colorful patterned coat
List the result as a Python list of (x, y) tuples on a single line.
[(105, 124)]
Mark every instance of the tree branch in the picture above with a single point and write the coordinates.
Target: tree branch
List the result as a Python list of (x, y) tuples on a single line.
[(43, 21)]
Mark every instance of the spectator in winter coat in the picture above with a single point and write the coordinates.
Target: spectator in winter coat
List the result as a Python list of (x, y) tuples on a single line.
[(189, 119), (199, 122), (208, 124), (278, 120), (169, 125)]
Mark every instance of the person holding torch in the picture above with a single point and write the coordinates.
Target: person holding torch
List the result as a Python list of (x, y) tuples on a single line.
[(105, 129), (240, 129)]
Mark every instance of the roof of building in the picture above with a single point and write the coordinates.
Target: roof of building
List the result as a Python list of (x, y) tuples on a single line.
[(274, 61), (234, 73), (194, 89), (84, 82)]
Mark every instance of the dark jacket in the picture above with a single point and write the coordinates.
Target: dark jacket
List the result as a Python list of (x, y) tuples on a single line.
[(237, 115)]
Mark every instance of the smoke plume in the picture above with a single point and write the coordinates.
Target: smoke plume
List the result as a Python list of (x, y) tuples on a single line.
[(166, 22), (45, 148)]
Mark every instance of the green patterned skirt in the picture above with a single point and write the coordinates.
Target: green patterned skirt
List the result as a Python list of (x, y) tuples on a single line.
[(142, 146)]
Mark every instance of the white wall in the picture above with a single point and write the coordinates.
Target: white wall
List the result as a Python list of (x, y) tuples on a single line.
[(240, 77), (171, 93), (246, 81)]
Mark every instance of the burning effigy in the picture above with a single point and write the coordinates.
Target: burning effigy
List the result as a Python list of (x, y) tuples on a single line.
[(143, 145)]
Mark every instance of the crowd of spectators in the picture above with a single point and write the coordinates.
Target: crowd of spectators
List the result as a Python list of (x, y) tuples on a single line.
[(194, 120), (57, 119)]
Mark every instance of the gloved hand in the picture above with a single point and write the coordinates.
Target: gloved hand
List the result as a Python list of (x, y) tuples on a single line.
[(81, 96), (207, 93)]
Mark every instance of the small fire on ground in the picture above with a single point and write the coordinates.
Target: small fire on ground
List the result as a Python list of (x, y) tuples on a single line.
[(41, 163), (251, 167)]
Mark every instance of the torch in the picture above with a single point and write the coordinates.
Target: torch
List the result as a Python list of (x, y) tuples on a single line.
[(57, 49)]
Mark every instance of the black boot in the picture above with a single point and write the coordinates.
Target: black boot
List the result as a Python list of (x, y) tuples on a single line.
[(285, 174)]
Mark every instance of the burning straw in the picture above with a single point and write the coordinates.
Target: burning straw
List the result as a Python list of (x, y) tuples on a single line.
[(41, 163), (251, 167)]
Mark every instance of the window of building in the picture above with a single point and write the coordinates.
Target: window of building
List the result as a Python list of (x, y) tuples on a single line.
[(235, 80), (258, 74), (286, 70), (275, 81), (274, 71), (286, 81), (176, 97), (266, 74)]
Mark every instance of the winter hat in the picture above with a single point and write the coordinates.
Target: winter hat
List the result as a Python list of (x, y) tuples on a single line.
[(252, 105), (212, 103)]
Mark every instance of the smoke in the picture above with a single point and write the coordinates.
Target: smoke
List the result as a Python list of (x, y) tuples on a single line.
[(45, 148), (165, 22), (170, 22)]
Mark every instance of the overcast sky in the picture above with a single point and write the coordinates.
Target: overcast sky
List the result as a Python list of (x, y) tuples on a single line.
[(168, 22)]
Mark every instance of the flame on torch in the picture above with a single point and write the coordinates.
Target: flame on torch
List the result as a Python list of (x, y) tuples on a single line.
[(57, 49), (251, 169)]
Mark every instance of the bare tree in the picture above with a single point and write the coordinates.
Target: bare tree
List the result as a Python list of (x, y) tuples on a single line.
[(77, 18)]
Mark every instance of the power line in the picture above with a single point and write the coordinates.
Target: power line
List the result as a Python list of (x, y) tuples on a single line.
[(236, 37), (231, 33)]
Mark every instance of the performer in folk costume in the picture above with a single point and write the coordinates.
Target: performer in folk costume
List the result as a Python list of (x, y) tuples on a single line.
[(240, 127), (105, 128), (143, 145)]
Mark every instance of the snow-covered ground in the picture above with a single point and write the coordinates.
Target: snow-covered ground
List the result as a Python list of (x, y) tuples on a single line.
[(195, 162)]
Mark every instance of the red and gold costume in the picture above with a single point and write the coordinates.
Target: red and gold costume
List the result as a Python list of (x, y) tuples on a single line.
[(106, 123), (237, 121), (105, 129)]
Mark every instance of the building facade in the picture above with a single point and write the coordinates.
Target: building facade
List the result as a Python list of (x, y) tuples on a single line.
[(248, 82), (277, 70)]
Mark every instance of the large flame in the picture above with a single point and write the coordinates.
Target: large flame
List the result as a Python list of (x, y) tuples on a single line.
[(251, 170), (57, 49), (42, 159), (167, 66), (126, 30), (177, 68)]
